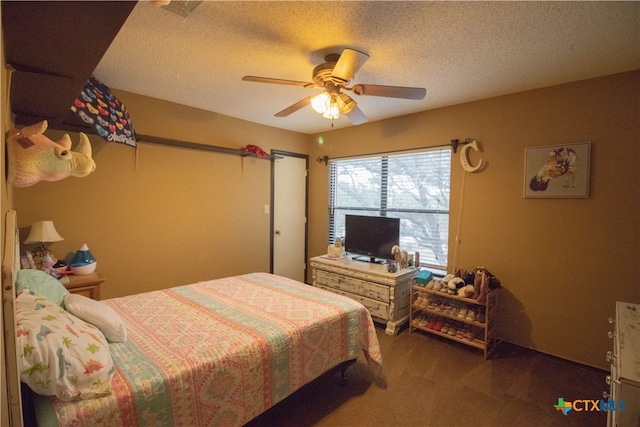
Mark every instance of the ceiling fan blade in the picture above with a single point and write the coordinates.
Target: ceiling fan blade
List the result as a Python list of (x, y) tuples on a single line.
[(277, 81), (295, 107), (349, 63), (416, 93), (356, 116)]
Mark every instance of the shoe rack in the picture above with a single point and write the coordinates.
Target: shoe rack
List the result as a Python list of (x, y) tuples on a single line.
[(450, 316)]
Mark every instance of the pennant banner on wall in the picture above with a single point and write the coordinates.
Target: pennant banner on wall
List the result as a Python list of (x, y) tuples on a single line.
[(98, 107)]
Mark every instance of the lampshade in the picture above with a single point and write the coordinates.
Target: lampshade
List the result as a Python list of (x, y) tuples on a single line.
[(345, 103), (43, 231), (326, 105)]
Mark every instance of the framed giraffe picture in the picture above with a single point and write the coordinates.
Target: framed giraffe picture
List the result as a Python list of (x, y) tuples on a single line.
[(557, 171)]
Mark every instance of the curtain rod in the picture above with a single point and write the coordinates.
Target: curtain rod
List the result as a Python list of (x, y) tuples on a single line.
[(454, 144), (167, 141), (198, 146)]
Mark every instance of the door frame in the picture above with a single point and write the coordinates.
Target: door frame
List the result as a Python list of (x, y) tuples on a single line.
[(276, 154)]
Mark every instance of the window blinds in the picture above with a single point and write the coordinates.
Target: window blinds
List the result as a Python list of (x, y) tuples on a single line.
[(414, 187)]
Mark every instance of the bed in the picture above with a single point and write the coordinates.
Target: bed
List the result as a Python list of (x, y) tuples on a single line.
[(217, 352)]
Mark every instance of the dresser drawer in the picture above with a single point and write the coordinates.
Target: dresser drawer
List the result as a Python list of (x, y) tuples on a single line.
[(87, 285), (353, 286), (89, 292), (376, 308)]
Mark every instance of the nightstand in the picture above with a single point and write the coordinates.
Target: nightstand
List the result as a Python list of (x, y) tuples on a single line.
[(87, 285)]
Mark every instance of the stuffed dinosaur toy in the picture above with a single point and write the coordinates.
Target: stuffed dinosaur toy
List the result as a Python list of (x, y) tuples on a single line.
[(33, 157)]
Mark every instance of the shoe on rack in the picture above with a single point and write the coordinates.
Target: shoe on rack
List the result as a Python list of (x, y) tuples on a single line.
[(471, 315), (470, 336), (431, 322), (430, 284), (477, 333), (418, 301), (416, 320), (447, 308), (445, 328), (462, 313), (481, 315), (438, 325), (453, 330), (425, 302), (437, 285), (423, 321)]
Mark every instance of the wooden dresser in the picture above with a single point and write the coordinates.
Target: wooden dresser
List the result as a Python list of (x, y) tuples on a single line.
[(624, 381), (386, 295)]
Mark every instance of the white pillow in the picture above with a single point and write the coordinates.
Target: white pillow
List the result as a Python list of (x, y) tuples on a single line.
[(98, 314)]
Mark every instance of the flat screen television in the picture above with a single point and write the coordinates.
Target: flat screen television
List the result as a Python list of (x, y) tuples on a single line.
[(371, 237)]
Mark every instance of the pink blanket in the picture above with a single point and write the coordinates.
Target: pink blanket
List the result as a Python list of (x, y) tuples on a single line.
[(223, 351)]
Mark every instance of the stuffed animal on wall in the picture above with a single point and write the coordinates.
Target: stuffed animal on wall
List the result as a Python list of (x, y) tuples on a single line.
[(33, 157)]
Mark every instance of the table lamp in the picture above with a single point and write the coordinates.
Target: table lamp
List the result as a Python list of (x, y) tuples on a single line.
[(42, 232)]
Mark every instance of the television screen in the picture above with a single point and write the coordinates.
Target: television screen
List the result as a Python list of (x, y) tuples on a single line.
[(371, 236)]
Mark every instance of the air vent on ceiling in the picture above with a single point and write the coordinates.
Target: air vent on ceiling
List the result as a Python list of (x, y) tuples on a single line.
[(182, 7)]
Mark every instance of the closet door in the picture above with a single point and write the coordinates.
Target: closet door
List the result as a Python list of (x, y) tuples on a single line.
[(289, 219)]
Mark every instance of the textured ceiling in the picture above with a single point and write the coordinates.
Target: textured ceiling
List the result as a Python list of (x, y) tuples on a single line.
[(458, 51)]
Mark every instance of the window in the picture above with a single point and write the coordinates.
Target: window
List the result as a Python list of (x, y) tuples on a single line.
[(413, 186)]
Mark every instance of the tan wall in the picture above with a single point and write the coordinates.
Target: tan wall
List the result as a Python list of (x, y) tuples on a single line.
[(563, 262), (172, 215), (175, 216)]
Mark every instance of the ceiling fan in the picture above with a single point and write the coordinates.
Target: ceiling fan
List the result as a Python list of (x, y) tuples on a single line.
[(333, 76)]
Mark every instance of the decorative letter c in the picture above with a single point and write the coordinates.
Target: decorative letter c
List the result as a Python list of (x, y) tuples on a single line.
[(464, 157)]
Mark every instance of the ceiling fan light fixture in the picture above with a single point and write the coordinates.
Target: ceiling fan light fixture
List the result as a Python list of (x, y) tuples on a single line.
[(331, 105), (333, 111), (346, 103), (319, 102), (327, 104)]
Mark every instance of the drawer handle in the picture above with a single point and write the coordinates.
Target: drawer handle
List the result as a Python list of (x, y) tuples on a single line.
[(611, 334), (610, 380)]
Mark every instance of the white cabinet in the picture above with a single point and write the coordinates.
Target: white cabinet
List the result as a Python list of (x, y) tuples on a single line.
[(386, 295), (448, 316), (624, 381)]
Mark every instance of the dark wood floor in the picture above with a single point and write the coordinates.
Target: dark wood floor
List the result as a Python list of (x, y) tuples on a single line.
[(430, 381)]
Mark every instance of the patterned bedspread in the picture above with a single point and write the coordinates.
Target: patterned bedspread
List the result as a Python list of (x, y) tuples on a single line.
[(223, 351)]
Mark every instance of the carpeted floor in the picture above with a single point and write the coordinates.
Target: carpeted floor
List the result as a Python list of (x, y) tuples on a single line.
[(430, 381)]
